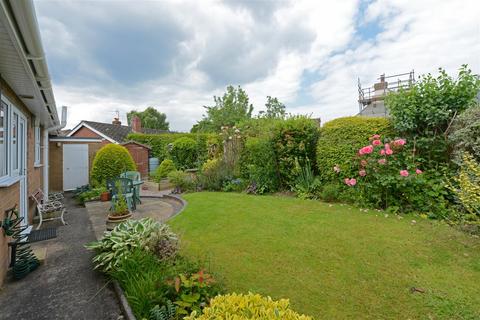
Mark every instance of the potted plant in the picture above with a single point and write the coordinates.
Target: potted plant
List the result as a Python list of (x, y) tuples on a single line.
[(120, 212), (105, 196)]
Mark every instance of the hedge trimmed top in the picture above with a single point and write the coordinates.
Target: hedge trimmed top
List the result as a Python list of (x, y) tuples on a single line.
[(110, 161)]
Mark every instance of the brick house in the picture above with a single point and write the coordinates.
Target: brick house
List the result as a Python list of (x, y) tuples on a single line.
[(72, 154), (27, 113)]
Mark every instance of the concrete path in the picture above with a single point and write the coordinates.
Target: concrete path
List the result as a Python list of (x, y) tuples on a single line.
[(64, 286)]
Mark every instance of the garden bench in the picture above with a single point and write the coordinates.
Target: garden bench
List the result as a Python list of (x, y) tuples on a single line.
[(49, 206)]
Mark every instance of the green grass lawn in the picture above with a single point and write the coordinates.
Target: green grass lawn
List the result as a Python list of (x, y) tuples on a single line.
[(334, 261)]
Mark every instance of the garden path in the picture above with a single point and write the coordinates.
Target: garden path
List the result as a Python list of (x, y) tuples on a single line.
[(64, 286)]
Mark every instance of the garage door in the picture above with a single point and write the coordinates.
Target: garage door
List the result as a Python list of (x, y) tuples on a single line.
[(75, 166)]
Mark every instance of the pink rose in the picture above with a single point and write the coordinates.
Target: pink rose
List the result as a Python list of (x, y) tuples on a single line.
[(404, 173), (366, 150), (376, 142), (376, 136), (399, 142), (362, 173), (382, 152), (382, 161), (418, 171), (389, 152), (347, 181), (353, 182)]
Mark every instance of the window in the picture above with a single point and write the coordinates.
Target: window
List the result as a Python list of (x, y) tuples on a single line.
[(37, 144), (14, 140), (3, 139)]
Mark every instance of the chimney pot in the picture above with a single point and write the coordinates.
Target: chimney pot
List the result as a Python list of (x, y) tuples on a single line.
[(117, 121)]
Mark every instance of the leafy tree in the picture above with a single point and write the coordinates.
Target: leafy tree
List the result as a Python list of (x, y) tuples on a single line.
[(275, 109), (151, 118), (228, 110)]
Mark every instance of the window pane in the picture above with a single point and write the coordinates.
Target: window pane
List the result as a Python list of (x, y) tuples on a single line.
[(14, 142), (3, 139)]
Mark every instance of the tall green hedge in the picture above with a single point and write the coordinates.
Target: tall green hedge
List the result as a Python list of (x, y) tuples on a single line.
[(159, 143), (341, 138), (109, 162)]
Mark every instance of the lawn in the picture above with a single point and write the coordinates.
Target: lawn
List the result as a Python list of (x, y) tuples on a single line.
[(334, 261)]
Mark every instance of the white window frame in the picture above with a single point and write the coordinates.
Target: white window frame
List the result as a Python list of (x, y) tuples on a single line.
[(6, 139), (38, 147)]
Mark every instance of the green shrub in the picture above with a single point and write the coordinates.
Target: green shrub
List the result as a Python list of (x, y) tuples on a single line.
[(164, 169), (258, 164), (340, 140), (90, 195), (465, 134), (214, 174), (207, 144), (330, 192), (247, 307), (307, 186), (145, 234), (183, 152), (182, 181), (109, 162), (294, 140)]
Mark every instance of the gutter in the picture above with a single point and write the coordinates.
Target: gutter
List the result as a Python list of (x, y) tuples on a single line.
[(46, 164)]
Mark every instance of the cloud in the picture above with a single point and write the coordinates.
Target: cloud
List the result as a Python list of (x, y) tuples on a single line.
[(176, 55)]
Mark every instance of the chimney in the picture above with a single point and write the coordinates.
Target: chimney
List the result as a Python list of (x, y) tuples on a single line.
[(117, 121), (136, 124)]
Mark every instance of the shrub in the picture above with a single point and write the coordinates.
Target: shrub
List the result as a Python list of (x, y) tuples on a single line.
[(294, 140), (258, 164), (468, 188), (207, 144), (109, 162), (307, 185), (184, 153), (145, 234), (164, 169), (182, 181), (214, 174), (90, 195), (465, 134), (244, 307), (339, 141), (330, 192)]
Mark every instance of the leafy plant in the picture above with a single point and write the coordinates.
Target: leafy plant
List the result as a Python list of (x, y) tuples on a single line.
[(109, 162), (339, 141), (90, 195), (165, 312), (214, 174), (118, 244), (164, 169), (150, 118), (307, 185), (247, 307), (465, 134), (182, 181), (183, 152), (330, 192), (120, 206), (468, 188)]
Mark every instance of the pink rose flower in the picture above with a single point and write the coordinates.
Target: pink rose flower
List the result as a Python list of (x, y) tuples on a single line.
[(418, 171), (353, 182), (347, 181), (399, 142), (376, 142), (362, 173), (382, 161), (375, 137), (366, 150), (382, 152), (389, 152), (404, 173)]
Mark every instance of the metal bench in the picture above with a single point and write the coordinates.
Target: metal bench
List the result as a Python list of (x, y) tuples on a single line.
[(48, 206)]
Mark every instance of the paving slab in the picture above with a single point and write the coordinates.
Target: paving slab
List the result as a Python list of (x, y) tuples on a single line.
[(64, 286)]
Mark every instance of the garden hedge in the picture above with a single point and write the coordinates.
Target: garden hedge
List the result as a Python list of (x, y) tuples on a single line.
[(206, 143), (109, 162), (340, 140)]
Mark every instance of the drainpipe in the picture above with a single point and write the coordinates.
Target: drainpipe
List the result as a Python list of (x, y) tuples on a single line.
[(46, 164)]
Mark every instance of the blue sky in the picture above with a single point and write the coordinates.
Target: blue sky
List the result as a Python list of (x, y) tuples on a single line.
[(176, 55)]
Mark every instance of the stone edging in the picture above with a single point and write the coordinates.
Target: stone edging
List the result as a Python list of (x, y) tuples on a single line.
[(125, 306)]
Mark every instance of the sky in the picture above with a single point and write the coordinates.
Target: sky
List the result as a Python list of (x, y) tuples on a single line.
[(108, 56)]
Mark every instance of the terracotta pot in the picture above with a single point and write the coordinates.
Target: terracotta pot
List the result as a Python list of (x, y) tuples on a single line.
[(113, 220), (105, 196)]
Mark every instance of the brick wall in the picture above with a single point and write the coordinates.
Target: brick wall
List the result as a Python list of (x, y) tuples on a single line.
[(140, 156), (84, 132), (9, 196)]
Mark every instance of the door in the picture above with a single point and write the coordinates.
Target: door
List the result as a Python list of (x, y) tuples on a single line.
[(75, 166)]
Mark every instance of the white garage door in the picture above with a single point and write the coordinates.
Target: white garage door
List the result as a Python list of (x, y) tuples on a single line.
[(75, 166)]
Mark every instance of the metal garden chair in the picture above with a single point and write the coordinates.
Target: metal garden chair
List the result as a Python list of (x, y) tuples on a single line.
[(125, 187), (137, 181), (49, 206)]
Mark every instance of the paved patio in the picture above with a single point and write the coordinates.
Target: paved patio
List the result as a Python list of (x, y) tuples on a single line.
[(64, 286)]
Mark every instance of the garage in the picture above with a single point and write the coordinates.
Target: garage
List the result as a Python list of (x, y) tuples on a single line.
[(70, 161)]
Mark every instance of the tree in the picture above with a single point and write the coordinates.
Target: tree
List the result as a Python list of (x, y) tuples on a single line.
[(151, 118), (275, 109), (228, 110)]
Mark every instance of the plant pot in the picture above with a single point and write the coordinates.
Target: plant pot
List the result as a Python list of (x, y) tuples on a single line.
[(113, 220), (105, 196)]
